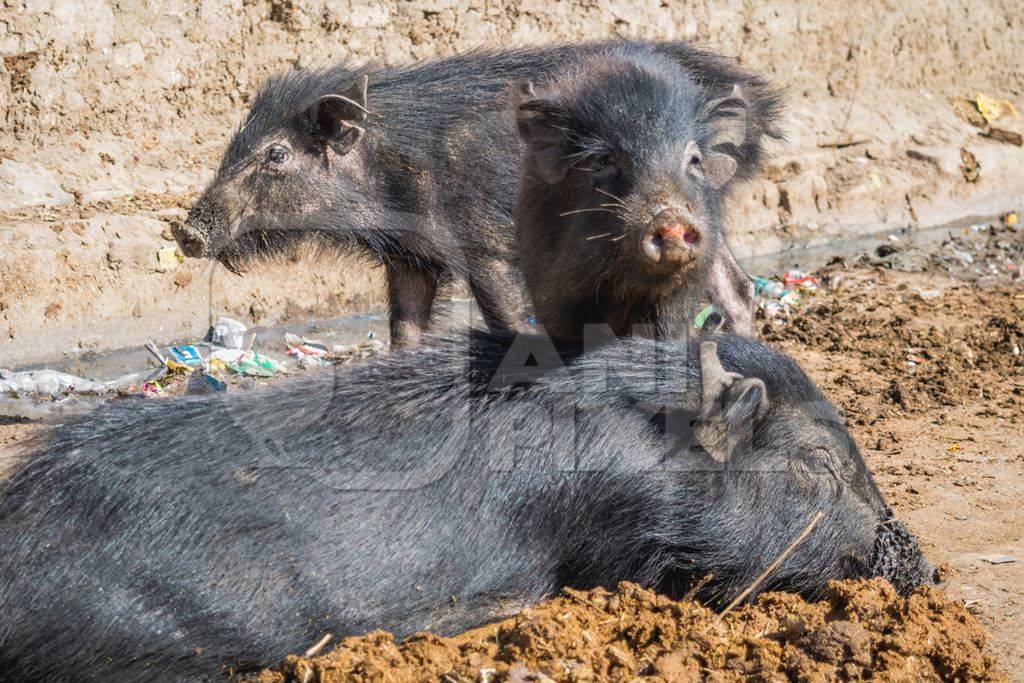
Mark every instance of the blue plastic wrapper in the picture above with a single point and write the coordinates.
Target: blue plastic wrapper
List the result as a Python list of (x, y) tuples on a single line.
[(186, 354)]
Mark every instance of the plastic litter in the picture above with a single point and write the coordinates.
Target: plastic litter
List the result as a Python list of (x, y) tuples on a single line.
[(47, 383), (186, 355), (769, 288), (772, 289), (225, 356), (61, 385), (152, 389), (182, 358), (200, 383), (994, 108), (773, 309), (799, 279), (346, 353), (228, 333), (702, 316), (778, 296), (308, 352), (253, 364), (127, 382), (708, 319), (168, 258)]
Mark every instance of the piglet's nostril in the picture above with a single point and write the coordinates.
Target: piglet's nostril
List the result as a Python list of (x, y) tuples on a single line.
[(671, 225), (670, 238), (679, 231)]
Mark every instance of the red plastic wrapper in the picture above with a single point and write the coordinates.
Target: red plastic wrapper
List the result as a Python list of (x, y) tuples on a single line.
[(798, 278)]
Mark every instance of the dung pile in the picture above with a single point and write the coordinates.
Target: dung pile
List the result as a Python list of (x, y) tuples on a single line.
[(859, 630)]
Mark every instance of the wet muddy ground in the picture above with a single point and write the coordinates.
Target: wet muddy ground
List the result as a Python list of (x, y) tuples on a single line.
[(923, 353)]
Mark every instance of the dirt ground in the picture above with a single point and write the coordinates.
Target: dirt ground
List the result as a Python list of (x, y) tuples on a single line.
[(923, 353)]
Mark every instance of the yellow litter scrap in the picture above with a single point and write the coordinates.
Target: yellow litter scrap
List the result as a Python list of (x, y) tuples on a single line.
[(168, 259), (175, 366), (993, 108)]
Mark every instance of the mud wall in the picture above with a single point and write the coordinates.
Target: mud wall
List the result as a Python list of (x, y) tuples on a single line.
[(115, 112)]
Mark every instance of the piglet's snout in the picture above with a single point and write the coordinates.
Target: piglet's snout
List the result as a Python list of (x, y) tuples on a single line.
[(192, 242), (671, 238)]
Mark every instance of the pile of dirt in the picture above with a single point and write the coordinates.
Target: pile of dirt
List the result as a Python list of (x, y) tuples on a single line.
[(861, 629)]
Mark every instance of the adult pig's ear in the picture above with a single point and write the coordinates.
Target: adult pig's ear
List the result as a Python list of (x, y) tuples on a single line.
[(334, 119), (729, 405), (542, 126)]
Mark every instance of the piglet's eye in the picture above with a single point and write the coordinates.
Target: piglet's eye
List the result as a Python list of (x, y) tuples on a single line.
[(694, 160), (277, 154)]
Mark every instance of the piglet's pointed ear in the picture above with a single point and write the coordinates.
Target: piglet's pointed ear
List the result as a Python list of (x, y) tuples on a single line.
[(334, 119), (727, 120), (542, 128), (729, 405), (719, 168)]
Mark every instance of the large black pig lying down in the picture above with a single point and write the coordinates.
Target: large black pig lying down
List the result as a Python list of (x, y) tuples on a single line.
[(170, 539)]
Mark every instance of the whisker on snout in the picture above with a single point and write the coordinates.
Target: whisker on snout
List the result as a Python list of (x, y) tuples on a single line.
[(567, 213), (597, 237), (618, 199)]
